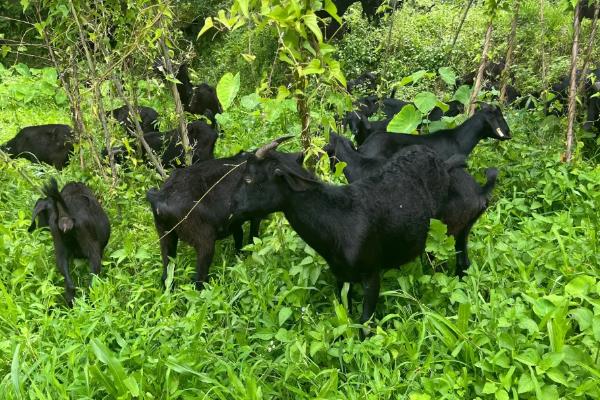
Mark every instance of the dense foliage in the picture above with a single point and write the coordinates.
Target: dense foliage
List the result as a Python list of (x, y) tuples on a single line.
[(524, 322)]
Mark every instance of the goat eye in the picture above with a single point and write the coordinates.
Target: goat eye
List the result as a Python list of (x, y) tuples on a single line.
[(248, 180)]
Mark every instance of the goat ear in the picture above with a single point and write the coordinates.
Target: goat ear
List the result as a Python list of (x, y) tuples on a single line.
[(300, 158), (295, 182), (40, 205)]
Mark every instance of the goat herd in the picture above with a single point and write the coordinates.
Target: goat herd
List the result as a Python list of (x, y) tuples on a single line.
[(379, 220)]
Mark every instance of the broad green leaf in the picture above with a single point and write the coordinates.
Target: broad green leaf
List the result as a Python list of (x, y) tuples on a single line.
[(583, 316), (310, 20), (463, 94), (425, 102), (490, 387), (529, 357), (501, 395), (525, 383), (596, 327), (314, 67), (227, 89), (208, 23), (332, 10), (580, 285), (284, 314), (243, 4), (419, 396), (406, 121), (448, 75)]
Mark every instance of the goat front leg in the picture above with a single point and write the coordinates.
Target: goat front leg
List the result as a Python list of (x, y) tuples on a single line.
[(204, 256), (462, 250), (62, 260), (254, 228), (371, 286), (168, 250)]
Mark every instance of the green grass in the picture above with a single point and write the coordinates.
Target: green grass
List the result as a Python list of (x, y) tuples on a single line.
[(524, 323)]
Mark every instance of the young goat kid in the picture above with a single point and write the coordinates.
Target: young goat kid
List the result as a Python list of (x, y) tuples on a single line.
[(78, 224), (487, 122), (360, 229)]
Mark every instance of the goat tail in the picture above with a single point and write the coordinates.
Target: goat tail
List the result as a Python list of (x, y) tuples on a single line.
[(456, 161), (491, 175), (393, 94), (153, 197), (51, 191), (65, 221)]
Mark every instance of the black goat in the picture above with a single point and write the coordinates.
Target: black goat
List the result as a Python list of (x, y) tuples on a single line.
[(487, 122), (168, 145), (148, 119), (200, 99), (467, 200), (78, 224), (194, 205), (365, 81), (360, 229), (362, 128), (51, 144), (587, 9)]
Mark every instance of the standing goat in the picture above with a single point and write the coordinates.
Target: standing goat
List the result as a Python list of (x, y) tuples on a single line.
[(193, 205), (487, 122), (79, 226), (466, 201), (360, 229)]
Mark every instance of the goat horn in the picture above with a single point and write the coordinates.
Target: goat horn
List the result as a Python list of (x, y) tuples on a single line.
[(262, 152)]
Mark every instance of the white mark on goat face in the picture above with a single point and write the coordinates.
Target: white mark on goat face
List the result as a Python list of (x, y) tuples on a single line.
[(499, 132)]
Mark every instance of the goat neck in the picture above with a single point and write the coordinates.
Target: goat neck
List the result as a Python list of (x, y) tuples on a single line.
[(470, 133)]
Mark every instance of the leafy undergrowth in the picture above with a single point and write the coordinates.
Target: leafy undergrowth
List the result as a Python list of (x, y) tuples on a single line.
[(524, 322)]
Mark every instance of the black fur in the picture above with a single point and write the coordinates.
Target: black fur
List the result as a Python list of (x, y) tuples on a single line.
[(360, 229), (148, 119), (51, 144), (487, 122), (79, 226), (467, 200)]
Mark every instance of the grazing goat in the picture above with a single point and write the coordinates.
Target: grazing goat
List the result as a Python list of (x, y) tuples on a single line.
[(467, 200), (365, 81), (51, 144), (168, 145), (148, 119), (78, 224), (487, 122), (194, 205), (360, 229)]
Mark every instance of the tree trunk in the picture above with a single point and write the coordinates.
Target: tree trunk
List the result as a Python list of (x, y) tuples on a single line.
[(573, 86), (72, 92), (97, 93), (460, 25), (510, 51), (139, 134), (478, 81), (543, 50), (178, 106), (589, 49)]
